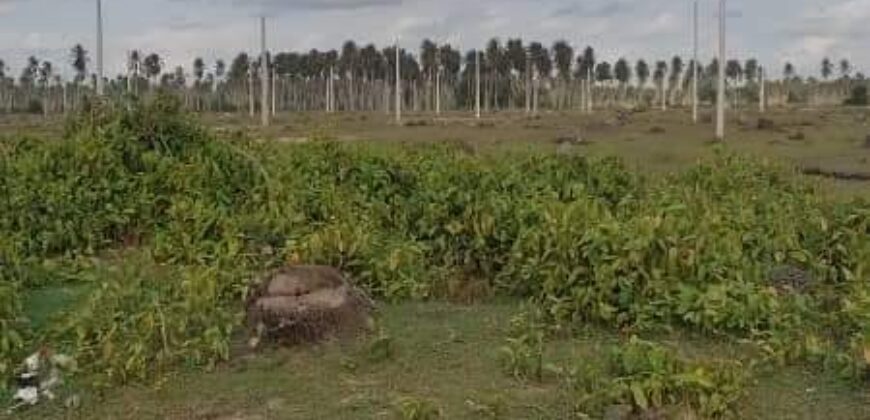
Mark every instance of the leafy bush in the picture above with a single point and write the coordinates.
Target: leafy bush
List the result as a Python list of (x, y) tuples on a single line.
[(651, 378), (858, 96)]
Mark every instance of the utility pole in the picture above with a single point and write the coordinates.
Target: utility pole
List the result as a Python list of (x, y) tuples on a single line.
[(438, 71), (251, 88), (477, 83), (329, 94), (526, 78), (398, 84), (264, 75), (695, 71), (589, 88), (274, 97), (720, 92), (535, 90), (100, 48), (761, 94)]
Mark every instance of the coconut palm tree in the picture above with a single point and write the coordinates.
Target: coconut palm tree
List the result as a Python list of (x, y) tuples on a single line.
[(677, 67), (827, 68), (641, 70), (134, 62), (46, 71), (220, 70), (79, 60), (845, 68), (153, 66), (429, 66), (750, 70), (348, 65), (3, 100), (734, 73), (788, 71), (659, 77), (563, 55), (603, 72)]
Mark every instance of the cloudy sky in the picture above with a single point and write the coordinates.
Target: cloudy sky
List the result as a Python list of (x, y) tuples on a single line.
[(775, 31)]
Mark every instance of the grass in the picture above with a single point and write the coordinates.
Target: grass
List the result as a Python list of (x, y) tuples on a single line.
[(445, 356)]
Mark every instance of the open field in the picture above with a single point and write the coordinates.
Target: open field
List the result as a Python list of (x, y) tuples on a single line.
[(462, 230), (444, 354)]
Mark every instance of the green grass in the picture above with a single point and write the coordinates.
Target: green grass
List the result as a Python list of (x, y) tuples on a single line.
[(445, 354)]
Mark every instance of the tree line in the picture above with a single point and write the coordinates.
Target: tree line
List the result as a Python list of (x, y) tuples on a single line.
[(514, 75)]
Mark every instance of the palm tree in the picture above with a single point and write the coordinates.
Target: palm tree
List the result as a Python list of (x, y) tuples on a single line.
[(750, 70), (198, 74), (563, 55), (788, 71), (220, 70), (134, 62), (493, 57), (45, 73), (677, 67), (153, 67), (79, 60), (429, 64), (659, 77), (641, 69), (3, 83), (622, 71), (586, 65), (845, 68), (348, 69), (734, 72), (827, 68), (198, 70), (517, 58), (603, 72)]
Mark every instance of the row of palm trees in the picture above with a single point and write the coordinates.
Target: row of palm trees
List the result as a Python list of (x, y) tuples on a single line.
[(513, 75)]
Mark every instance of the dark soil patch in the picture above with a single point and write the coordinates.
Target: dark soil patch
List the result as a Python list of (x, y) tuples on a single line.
[(797, 136), (840, 175)]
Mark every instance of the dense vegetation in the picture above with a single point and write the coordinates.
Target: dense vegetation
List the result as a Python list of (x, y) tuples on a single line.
[(165, 224)]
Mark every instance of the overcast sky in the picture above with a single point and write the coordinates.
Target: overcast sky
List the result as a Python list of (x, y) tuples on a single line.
[(775, 31)]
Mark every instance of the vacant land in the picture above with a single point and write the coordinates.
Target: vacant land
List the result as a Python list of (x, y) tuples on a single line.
[(515, 278)]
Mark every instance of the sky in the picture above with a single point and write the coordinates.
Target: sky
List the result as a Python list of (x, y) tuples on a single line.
[(774, 31)]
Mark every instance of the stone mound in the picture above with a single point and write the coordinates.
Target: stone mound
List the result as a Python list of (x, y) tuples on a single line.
[(788, 278), (298, 304), (765, 124)]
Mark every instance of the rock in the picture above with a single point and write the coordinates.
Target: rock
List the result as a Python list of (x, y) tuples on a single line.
[(574, 140), (618, 412), (867, 142), (657, 130), (765, 124), (797, 136), (790, 279), (306, 304)]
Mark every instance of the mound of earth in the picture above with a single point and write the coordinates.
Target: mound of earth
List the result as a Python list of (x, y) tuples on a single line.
[(297, 304)]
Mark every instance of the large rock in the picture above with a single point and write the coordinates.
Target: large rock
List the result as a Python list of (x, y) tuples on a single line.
[(298, 304)]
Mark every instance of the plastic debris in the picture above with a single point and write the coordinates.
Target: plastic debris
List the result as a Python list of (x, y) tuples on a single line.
[(41, 373)]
